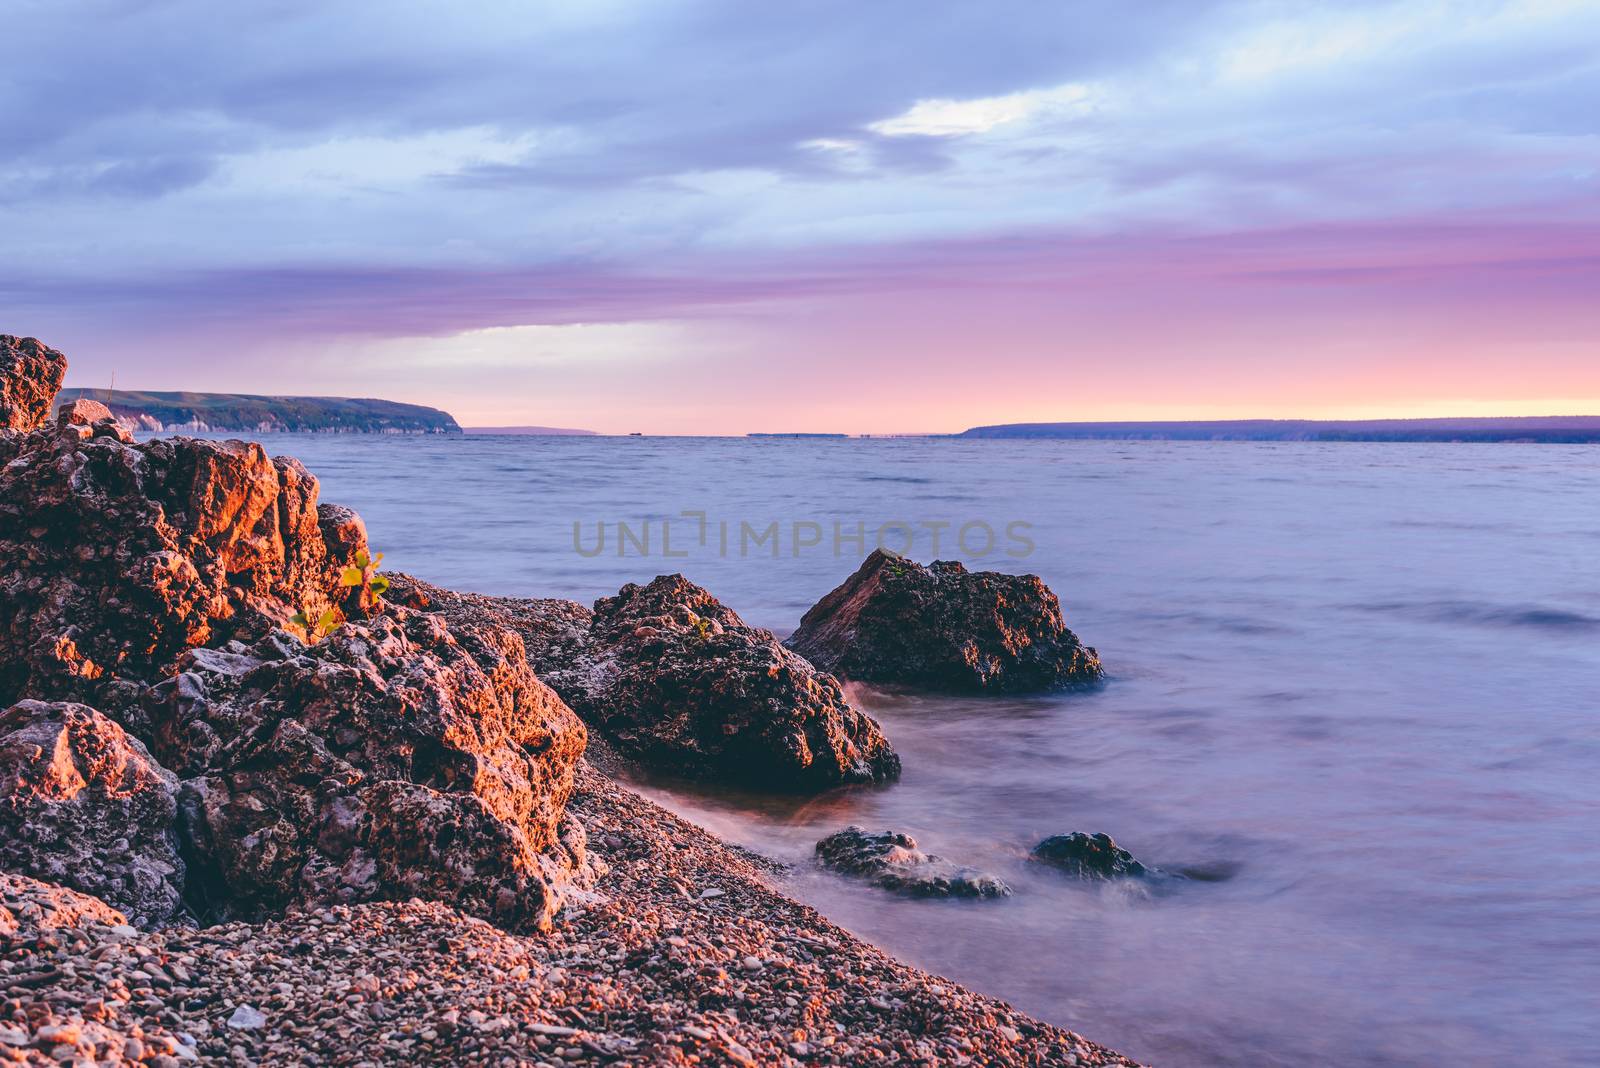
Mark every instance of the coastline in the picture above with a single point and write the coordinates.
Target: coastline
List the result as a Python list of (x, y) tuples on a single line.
[(683, 953), (252, 811)]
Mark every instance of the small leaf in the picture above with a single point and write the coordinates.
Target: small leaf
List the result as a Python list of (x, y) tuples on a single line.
[(376, 560), (351, 576), (378, 585), (362, 559)]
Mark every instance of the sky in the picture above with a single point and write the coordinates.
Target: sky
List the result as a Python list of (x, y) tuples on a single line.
[(696, 217)]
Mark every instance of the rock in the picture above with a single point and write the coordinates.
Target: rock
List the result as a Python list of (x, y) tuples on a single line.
[(247, 1018), (84, 805), (944, 628), (1089, 856), (115, 558), (892, 860), (29, 907), (679, 681), (83, 412), (395, 759), (30, 377), (676, 680)]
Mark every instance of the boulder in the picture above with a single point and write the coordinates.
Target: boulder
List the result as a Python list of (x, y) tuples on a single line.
[(676, 680), (83, 412), (115, 557), (84, 805), (30, 377), (394, 759), (1089, 856), (892, 860), (944, 628)]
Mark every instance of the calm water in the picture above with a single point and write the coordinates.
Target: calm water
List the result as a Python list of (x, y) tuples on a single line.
[(1363, 678)]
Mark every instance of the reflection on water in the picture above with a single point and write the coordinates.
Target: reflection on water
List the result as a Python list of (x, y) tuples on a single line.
[(1360, 679)]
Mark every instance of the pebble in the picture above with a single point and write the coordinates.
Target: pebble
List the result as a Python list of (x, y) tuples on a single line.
[(247, 1018)]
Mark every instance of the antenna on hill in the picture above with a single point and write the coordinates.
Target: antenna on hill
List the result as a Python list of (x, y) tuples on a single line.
[(113, 388)]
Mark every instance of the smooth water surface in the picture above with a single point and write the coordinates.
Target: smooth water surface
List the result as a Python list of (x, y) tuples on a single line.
[(1358, 682)]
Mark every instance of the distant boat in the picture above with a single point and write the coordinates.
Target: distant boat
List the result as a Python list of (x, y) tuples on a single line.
[(635, 434)]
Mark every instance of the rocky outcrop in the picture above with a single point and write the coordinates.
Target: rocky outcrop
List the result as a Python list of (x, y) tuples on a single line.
[(115, 557), (30, 376), (85, 806), (1089, 856), (395, 759), (676, 680), (892, 860), (944, 628)]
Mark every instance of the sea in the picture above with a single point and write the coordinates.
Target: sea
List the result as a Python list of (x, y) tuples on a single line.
[(1356, 686)]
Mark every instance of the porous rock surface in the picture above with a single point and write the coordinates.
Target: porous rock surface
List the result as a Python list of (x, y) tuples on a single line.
[(675, 679), (30, 377), (943, 627), (115, 557), (891, 859), (393, 759), (85, 806)]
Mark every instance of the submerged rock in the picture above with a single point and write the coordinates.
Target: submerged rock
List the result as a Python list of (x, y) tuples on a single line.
[(1089, 856), (115, 557), (30, 377), (84, 805), (394, 759), (676, 680), (892, 860), (945, 628)]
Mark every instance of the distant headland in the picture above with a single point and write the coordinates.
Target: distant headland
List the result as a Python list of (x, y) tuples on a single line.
[(529, 431), (201, 412), (1550, 429)]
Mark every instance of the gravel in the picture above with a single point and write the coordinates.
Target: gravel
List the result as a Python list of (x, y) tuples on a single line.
[(683, 955)]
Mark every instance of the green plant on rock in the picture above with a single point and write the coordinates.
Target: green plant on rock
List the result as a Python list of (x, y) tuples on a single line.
[(363, 576), (314, 631)]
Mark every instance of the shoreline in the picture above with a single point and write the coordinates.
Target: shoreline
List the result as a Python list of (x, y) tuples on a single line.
[(682, 953), (255, 813)]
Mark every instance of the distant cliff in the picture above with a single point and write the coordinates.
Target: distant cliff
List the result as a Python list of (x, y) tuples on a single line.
[(266, 415), (1570, 429)]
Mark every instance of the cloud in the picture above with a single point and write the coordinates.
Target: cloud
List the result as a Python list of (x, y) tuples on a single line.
[(534, 348), (953, 118)]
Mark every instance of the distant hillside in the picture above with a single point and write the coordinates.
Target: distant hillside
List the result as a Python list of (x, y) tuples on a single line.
[(1554, 429), (266, 415), (530, 431)]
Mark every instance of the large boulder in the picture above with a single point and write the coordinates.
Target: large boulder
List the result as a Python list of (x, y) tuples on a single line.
[(116, 557), (891, 859), (84, 805), (944, 628), (30, 377), (393, 759), (675, 679)]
